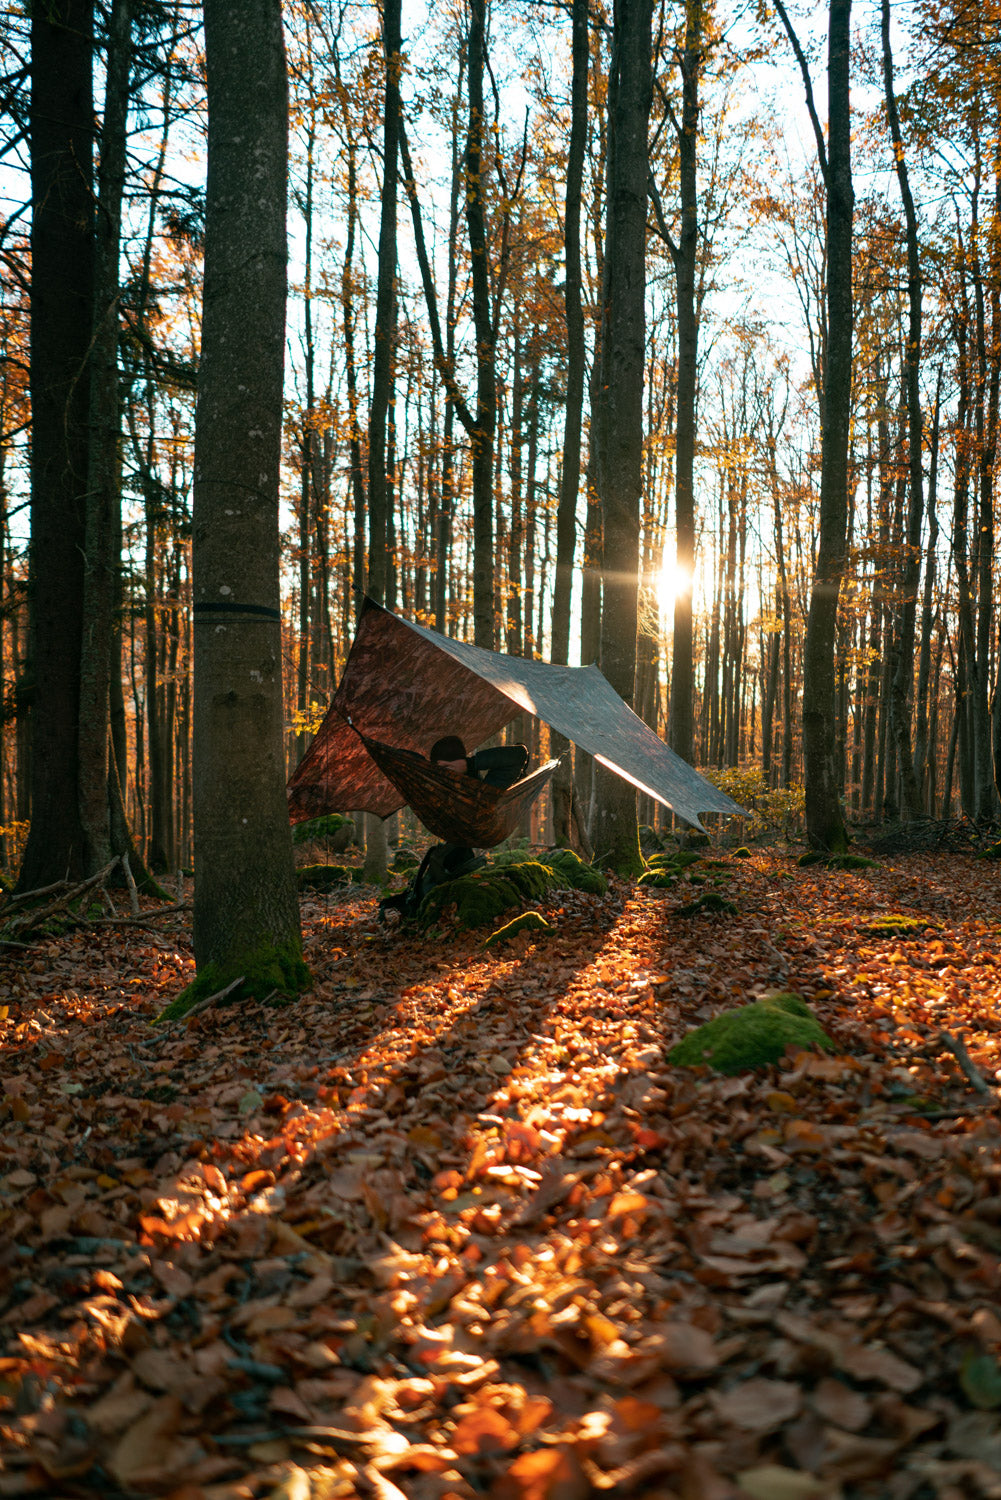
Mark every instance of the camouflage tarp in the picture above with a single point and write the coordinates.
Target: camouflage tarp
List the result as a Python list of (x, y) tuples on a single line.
[(406, 686)]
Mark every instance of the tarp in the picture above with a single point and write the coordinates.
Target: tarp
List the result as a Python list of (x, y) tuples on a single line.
[(406, 686)]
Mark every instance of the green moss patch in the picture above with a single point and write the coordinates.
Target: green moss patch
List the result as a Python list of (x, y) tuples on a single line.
[(897, 924), (708, 901), (742, 853), (752, 1036), (837, 861), (993, 851), (526, 921), (271, 971)]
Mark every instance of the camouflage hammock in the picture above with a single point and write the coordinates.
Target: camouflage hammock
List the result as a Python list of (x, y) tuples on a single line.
[(459, 809)]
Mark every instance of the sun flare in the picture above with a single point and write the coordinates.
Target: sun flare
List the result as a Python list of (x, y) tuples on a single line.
[(674, 582)]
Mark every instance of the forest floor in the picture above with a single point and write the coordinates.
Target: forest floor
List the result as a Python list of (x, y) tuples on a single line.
[(452, 1226)]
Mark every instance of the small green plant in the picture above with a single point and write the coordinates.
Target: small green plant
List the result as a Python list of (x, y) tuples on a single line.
[(775, 812), (333, 826)]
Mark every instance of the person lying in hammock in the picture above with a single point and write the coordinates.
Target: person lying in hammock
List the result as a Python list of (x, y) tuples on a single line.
[(500, 766)]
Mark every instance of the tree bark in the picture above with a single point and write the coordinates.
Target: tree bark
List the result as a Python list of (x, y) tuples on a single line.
[(103, 504), (385, 310), (566, 515), (482, 435), (825, 823), (246, 913), (903, 677), (62, 293), (619, 433), (681, 726)]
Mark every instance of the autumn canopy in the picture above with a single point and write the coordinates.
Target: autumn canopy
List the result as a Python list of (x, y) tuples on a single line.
[(404, 686)]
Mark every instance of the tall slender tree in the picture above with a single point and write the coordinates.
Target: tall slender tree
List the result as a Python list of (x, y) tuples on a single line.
[(619, 434), (246, 913), (825, 822), (62, 298)]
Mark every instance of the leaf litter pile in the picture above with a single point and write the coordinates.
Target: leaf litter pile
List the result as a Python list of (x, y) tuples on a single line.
[(452, 1225)]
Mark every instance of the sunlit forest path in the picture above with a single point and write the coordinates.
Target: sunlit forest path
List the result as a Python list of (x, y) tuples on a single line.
[(453, 1224)]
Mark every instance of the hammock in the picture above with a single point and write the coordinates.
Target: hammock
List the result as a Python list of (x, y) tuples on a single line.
[(459, 809)]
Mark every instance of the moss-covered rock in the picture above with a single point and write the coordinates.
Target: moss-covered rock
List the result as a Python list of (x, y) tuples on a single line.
[(404, 859), (837, 861), (574, 873), (271, 971), (851, 862), (708, 901), (695, 839), (675, 859), (993, 851), (661, 880), (752, 1036), (479, 899), (526, 921), (742, 853)]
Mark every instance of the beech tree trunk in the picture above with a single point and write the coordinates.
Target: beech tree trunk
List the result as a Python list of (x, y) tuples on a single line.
[(482, 435), (619, 435), (825, 824), (103, 503), (903, 677), (246, 912), (681, 726), (62, 293), (566, 828)]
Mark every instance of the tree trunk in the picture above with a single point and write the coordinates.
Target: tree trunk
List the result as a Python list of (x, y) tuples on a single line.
[(824, 820), (566, 515), (62, 293), (903, 677), (246, 914), (103, 504), (482, 435), (681, 726), (385, 310), (620, 409)]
